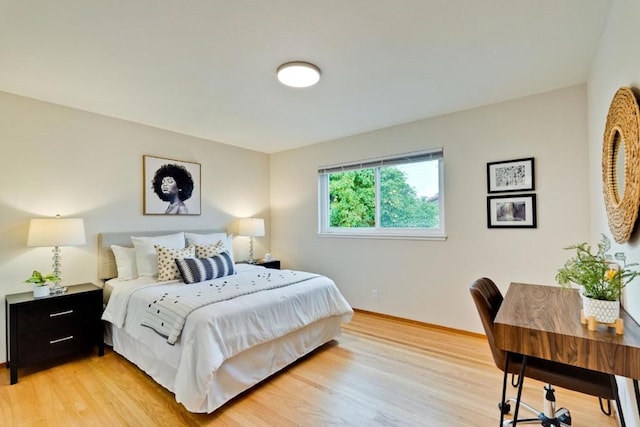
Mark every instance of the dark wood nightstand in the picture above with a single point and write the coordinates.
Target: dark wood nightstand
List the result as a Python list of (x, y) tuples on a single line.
[(42, 329), (273, 263)]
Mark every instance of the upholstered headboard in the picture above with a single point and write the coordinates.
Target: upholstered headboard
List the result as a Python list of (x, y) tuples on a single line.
[(107, 262)]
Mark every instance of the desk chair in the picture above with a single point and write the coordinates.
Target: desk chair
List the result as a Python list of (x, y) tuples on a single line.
[(488, 299)]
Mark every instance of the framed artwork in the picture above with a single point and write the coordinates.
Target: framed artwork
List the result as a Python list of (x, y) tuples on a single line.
[(517, 211), (510, 175), (170, 187)]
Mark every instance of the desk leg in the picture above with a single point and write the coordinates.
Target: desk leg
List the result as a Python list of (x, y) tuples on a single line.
[(637, 390), (504, 386), (614, 386), (520, 384)]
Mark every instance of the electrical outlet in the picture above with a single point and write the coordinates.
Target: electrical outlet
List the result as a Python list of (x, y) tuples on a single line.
[(374, 294)]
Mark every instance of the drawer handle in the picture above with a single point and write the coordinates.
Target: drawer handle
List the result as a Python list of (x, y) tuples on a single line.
[(70, 337), (62, 313)]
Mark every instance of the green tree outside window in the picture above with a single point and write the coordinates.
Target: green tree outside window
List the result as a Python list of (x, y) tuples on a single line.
[(352, 200)]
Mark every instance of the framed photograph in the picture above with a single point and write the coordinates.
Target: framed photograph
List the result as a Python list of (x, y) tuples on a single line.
[(170, 187), (510, 175), (517, 211)]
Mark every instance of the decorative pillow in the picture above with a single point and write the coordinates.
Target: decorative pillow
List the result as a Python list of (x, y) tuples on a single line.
[(146, 256), (167, 268), (194, 270), (207, 251), (211, 239), (125, 262)]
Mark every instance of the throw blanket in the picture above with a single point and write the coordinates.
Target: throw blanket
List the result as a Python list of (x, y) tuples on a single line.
[(167, 315)]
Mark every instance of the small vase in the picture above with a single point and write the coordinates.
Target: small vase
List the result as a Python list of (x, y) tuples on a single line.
[(603, 311), (40, 291)]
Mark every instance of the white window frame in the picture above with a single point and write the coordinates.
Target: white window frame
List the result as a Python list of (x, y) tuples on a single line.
[(324, 230)]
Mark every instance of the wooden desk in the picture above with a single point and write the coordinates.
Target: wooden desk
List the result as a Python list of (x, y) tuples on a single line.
[(544, 322)]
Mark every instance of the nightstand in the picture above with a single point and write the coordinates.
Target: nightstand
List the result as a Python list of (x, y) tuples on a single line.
[(273, 263), (43, 329)]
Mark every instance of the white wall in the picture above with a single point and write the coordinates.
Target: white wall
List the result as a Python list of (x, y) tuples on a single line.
[(60, 160), (429, 280), (616, 64)]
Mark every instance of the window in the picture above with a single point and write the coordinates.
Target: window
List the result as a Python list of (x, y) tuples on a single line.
[(393, 196)]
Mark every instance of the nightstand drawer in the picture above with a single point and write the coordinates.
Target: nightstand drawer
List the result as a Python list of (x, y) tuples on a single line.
[(58, 313), (47, 345), (273, 263)]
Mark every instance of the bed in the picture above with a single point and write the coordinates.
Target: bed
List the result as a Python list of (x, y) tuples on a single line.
[(239, 329)]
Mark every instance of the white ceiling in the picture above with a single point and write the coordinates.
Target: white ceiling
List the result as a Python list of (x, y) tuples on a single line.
[(207, 67)]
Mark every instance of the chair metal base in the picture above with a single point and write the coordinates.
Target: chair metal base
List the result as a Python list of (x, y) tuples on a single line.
[(549, 417), (562, 416)]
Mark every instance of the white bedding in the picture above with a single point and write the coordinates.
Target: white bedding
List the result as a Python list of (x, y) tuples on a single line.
[(223, 331)]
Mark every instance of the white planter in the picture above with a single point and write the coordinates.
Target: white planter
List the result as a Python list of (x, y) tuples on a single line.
[(40, 291), (603, 311)]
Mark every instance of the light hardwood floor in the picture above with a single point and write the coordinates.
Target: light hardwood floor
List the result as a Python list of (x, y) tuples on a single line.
[(381, 372)]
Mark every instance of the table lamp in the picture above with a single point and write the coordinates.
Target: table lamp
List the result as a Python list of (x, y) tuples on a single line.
[(56, 232), (251, 227)]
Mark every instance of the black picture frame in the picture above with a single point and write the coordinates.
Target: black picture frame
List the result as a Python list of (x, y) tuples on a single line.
[(512, 211), (511, 175), (185, 173)]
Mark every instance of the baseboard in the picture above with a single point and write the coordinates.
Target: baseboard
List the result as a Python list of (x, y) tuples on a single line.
[(419, 323)]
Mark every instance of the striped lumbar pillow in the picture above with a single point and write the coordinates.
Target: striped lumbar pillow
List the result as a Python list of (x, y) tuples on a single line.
[(194, 270)]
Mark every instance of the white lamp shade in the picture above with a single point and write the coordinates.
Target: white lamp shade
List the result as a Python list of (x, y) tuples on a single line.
[(56, 232), (252, 227)]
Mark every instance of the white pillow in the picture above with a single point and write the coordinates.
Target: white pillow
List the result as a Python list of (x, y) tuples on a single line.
[(211, 239), (125, 262), (146, 256)]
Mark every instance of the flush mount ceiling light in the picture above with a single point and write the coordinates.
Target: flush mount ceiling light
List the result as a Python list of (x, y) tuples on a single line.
[(298, 74)]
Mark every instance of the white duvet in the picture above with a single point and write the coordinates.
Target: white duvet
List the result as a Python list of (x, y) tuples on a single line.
[(217, 332)]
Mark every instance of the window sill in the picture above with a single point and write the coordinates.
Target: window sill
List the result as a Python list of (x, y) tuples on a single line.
[(390, 236)]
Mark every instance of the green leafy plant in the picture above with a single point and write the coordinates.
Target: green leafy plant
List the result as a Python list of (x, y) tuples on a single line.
[(601, 275), (39, 279)]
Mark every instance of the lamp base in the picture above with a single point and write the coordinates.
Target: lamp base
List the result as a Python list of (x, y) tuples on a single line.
[(251, 260), (57, 290)]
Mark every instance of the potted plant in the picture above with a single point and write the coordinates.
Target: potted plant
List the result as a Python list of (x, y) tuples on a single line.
[(40, 283), (601, 277)]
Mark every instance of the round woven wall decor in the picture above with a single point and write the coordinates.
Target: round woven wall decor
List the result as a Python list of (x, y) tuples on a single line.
[(622, 133)]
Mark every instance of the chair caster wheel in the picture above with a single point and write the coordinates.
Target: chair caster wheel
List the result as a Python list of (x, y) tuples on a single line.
[(505, 407), (565, 416)]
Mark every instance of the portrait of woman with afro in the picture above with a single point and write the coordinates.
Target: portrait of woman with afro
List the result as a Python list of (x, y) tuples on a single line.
[(173, 183)]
